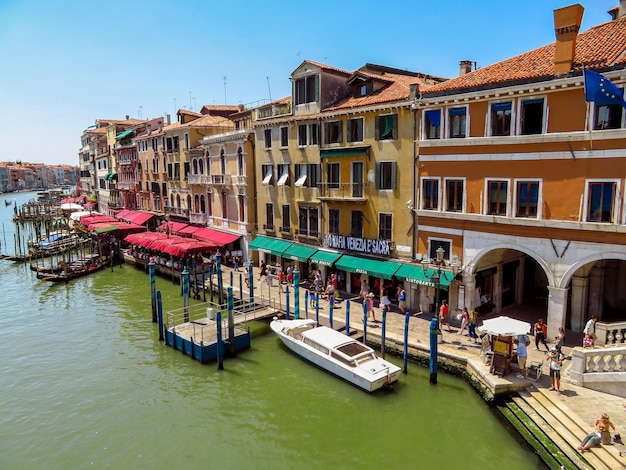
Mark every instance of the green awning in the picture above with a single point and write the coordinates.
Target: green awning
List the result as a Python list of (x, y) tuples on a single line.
[(105, 229), (273, 246), (298, 252), (107, 177), (384, 269), (414, 273), (123, 134), (343, 153), (113, 176), (325, 258)]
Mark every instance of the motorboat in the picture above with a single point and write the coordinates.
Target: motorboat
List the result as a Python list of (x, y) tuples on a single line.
[(336, 353)]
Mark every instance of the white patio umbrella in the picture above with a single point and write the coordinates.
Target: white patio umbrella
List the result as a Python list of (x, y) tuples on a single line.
[(504, 326), (71, 206)]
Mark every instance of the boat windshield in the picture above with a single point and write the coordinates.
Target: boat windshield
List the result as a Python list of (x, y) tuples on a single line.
[(353, 349), (365, 358)]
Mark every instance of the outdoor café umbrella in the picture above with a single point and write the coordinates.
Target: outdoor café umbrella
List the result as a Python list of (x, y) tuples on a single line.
[(71, 206), (504, 326)]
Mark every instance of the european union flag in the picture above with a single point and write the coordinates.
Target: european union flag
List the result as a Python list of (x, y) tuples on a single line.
[(601, 90)]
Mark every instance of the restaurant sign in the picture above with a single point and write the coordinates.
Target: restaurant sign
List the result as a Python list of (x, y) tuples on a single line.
[(362, 245)]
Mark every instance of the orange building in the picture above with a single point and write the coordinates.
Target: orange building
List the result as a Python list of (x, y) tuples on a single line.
[(523, 180)]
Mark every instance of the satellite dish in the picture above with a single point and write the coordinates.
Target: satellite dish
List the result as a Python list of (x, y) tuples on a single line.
[(370, 176)]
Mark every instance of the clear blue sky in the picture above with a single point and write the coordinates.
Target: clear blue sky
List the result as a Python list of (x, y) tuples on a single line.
[(65, 63)]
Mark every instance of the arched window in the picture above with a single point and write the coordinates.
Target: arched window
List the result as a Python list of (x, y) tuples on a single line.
[(240, 166), (222, 163), (196, 203), (195, 166), (202, 204), (200, 166)]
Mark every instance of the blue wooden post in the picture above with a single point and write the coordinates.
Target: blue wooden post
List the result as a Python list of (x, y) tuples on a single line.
[(220, 282), (186, 295), (382, 343), (153, 289), (331, 308), (160, 314), (231, 320), (220, 345), (365, 320), (306, 303), (348, 317), (203, 284), (434, 332), (241, 286), (231, 278), (296, 293), (405, 354), (317, 308), (287, 301), (211, 281), (251, 281)]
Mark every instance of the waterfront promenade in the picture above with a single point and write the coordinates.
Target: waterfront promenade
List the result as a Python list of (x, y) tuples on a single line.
[(578, 407)]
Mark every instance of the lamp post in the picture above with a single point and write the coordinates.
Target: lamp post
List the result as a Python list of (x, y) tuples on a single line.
[(435, 278)]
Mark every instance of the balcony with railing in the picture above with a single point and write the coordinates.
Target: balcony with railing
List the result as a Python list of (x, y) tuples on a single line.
[(221, 180), (124, 186), (274, 110), (199, 179), (354, 192), (199, 218)]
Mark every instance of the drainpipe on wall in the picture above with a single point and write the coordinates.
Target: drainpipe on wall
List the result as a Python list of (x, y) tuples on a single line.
[(414, 204)]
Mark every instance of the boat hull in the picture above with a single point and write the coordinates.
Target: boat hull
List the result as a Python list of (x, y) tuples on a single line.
[(371, 376)]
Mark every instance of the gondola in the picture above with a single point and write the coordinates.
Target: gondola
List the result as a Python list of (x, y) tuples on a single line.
[(76, 269)]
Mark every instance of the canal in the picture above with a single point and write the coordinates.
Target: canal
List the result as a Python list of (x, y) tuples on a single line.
[(87, 384)]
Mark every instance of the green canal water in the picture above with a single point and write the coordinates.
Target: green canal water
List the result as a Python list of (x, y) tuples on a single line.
[(86, 383)]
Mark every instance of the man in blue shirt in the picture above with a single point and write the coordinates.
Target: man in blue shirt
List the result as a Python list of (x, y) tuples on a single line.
[(522, 342)]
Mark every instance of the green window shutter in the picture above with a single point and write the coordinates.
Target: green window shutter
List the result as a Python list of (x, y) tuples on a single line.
[(394, 132), (394, 166), (377, 175)]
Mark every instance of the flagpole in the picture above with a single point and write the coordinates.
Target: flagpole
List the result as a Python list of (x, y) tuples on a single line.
[(589, 117)]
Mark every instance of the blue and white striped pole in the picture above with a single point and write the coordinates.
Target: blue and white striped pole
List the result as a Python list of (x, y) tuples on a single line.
[(348, 317), (153, 290), (186, 295), (287, 300), (220, 285), (331, 308), (296, 293), (306, 303)]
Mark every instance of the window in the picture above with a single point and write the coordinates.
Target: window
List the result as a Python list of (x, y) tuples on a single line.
[(332, 175), (268, 174), (497, 197), (284, 136), (286, 227), (387, 127), (306, 89), (302, 135), (454, 195), (313, 131), (240, 165), (432, 124), (333, 221), (186, 141), (607, 116), (308, 221), (356, 224), (283, 171), (241, 200), (267, 133), (527, 198), (386, 175), (457, 122), (430, 194), (600, 201), (384, 226), (531, 116), (269, 216), (332, 132), (355, 130), (435, 244), (308, 175), (501, 118)]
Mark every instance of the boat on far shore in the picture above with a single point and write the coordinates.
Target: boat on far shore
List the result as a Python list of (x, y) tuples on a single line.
[(72, 270), (336, 353)]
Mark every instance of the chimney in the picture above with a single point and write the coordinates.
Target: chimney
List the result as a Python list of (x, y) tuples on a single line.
[(618, 11), (414, 91), (466, 67), (169, 120), (567, 22), (127, 116)]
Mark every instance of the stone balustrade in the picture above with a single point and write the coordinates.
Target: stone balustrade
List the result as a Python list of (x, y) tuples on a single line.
[(602, 369), (610, 334)]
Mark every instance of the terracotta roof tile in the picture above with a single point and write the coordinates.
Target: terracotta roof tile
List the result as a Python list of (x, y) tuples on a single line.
[(210, 121), (600, 47)]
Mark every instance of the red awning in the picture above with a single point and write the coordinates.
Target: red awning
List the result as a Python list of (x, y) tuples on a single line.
[(139, 218), (123, 227), (220, 238), (171, 227), (189, 230), (121, 214), (96, 218)]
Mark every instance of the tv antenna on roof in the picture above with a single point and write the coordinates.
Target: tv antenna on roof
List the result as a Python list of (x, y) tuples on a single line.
[(268, 88)]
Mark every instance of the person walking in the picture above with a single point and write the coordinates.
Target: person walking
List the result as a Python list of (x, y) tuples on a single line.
[(402, 299), (590, 329), (464, 320), (559, 339), (444, 315), (263, 272), (522, 343), (556, 361), (370, 305), (290, 275), (384, 300), (541, 329), (471, 325), (236, 261)]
